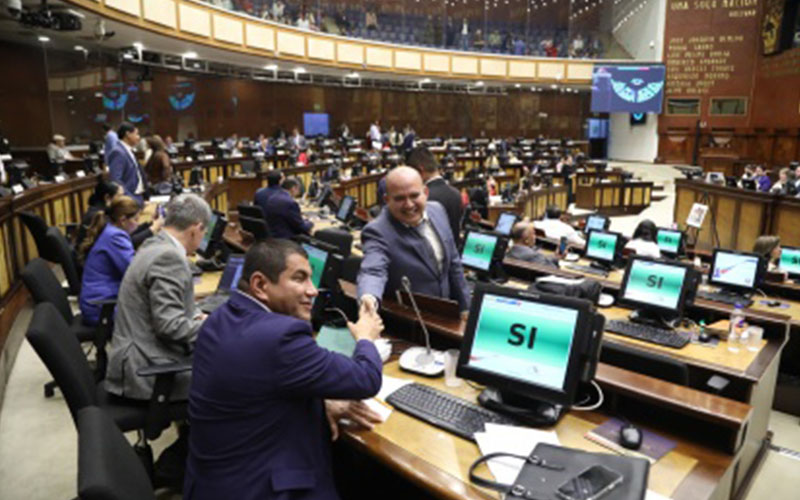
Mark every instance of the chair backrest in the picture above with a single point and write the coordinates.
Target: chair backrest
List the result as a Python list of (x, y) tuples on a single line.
[(257, 227), (45, 287), (338, 237), (38, 228), (66, 257), (350, 268), (108, 468), (654, 365), (60, 351), (252, 211)]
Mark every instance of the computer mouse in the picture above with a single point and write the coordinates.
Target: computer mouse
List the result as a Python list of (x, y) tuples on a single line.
[(630, 437), (605, 300), (704, 337)]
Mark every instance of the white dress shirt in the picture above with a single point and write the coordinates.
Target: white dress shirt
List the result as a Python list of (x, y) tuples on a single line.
[(645, 248), (555, 229)]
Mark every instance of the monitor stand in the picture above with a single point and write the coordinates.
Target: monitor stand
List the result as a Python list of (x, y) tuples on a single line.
[(601, 266), (649, 318), (526, 410)]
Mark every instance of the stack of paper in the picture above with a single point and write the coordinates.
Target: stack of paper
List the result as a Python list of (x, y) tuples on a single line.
[(511, 439)]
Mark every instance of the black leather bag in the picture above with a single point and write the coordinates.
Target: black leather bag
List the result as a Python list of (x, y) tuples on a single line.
[(548, 467)]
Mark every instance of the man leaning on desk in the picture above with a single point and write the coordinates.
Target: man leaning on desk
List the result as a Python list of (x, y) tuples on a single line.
[(411, 238)]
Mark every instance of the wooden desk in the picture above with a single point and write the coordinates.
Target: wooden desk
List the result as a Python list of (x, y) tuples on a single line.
[(533, 203), (614, 197)]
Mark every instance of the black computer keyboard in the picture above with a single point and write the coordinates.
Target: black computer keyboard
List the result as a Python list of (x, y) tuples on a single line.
[(725, 298), (586, 269), (660, 336), (438, 408)]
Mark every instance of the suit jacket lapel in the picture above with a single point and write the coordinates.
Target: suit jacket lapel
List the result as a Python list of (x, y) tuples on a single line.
[(418, 244)]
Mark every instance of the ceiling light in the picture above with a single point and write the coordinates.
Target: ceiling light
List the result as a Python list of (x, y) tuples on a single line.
[(79, 47), (44, 39), (190, 55), (554, 86), (479, 84), (271, 67), (352, 75), (425, 80), (517, 85), (138, 46), (299, 69)]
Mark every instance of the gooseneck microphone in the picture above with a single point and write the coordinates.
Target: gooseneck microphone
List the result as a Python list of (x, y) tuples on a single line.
[(422, 360)]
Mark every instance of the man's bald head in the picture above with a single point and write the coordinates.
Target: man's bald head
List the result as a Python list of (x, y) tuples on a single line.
[(406, 195)]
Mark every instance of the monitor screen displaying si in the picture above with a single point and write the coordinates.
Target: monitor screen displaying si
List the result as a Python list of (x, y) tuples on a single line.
[(316, 124), (209, 234), (669, 241), (505, 223), (595, 223), (652, 284), (478, 250), (790, 260), (628, 88), (602, 246), (317, 259), (739, 270), (232, 273), (523, 340)]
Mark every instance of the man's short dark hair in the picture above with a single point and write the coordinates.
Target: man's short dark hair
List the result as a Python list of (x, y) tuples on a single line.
[(518, 231), (553, 212), (290, 184), (124, 129), (423, 160), (269, 258), (274, 178)]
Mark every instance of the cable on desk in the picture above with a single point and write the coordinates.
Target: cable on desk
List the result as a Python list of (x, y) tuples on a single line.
[(761, 292), (596, 405)]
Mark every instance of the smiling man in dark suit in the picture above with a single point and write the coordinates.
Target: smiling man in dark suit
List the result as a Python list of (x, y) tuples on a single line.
[(411, 237), (438, 189)]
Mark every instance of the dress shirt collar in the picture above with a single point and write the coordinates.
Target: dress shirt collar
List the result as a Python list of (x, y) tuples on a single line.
[(255, 300), (177, 243), (421, 221)]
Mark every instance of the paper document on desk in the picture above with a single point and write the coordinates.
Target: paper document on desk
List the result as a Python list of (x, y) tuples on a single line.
[(510, 439), (389, 385), (379, 408), (652, 495)]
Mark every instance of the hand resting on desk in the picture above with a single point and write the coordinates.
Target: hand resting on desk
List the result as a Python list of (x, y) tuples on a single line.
[(355, 411)]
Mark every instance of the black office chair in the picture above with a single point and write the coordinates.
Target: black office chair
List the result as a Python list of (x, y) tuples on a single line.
[(257, 227), (350, 268), (38, 229), (654, 365), (45, 288), (58, 243), (62, 355), (340, 238), (252, 211), (108, 468)]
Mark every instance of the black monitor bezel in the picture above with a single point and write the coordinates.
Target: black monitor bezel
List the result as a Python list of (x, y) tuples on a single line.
[(582, 339), (350, 211), (685, 291), (333, 264), (617, 248), (761, 270), (497, 255), (797, 249), (680, 242), (222, 277), (606, 222), (216, 237), (516, 219)]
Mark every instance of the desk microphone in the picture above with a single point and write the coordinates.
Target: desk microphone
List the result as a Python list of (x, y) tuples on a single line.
[(421, 360)]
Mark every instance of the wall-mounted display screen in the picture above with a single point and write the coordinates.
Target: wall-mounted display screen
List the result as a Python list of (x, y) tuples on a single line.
[(628, 88), (316, 124)]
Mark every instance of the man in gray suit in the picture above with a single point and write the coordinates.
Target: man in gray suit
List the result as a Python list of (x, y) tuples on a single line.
[(524, 236), (411, 237), (157, 320)]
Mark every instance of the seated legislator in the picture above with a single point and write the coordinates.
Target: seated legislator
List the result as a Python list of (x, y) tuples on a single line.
[(411, 238), (769, 247), (283, 213), (106, 253), (555, 228), (523, 234), (262, 388), (123, 167), (644, 240), (57, 151), (763, 182), (274, 180), (438, 189), (100, 200), (157, 319), (785, 184)]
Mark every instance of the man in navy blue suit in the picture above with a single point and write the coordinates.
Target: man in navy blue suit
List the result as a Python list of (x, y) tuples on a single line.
[(274, 179), (411, 237), (123, 165), (282, 212), (262, 388)]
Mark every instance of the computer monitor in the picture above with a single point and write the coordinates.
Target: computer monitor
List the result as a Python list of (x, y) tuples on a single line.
[(481, 250), (346, 208), (505, 223), (232, 272), (656, 286), (603, 247), (532, 348), (739, 271), (325, 264), (790, 261), (596, 223), (212, 236), (669, 241), (749, 184), (324, 195), (196, 176)]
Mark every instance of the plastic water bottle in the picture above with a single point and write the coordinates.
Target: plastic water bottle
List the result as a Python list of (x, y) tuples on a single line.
[(736, 329)]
